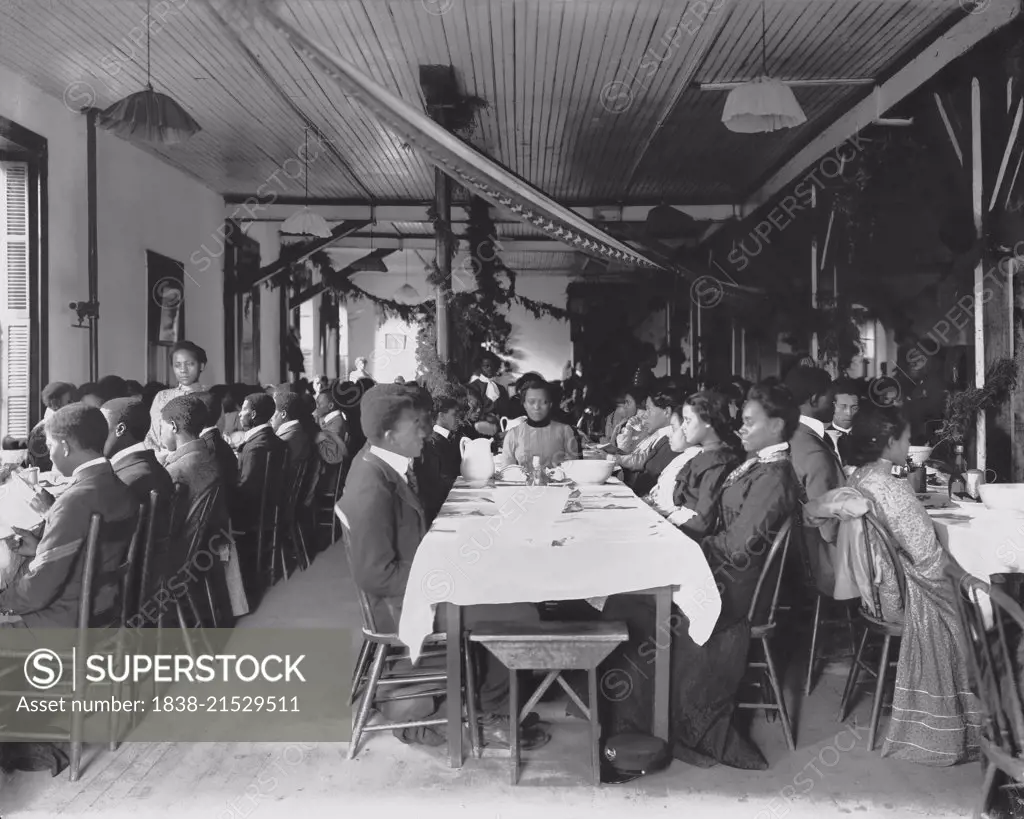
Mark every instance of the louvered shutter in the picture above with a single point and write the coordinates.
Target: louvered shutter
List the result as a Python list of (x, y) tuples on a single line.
[(14, 300)]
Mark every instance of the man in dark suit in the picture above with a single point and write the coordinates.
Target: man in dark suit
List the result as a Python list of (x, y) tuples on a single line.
[(192, 464), (227, 462), (441, 461), (134, 464), (334, 440), (45, 591), (817, 466), (259, 443), (287, 423), (493, 396), (845, 406), (385, 522)]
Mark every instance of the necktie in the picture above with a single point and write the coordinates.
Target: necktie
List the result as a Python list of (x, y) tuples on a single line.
[(414, 484), (830, 444)]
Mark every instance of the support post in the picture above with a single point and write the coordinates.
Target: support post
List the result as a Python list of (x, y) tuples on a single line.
[(94, 265), (443, 205), (977, 177), (814, 271), (743, 352), (732, 344)]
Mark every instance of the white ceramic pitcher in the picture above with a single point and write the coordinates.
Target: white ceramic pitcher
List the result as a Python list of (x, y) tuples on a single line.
[(477, 461)]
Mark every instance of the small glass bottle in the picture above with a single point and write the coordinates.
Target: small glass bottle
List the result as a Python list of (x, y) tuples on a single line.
[(537, 476), (957, 482)]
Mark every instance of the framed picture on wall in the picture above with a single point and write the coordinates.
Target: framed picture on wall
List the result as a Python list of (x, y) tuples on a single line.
[(166, 277)]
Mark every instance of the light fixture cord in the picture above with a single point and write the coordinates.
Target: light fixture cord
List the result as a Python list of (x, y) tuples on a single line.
[(149, 83), (764, 35)]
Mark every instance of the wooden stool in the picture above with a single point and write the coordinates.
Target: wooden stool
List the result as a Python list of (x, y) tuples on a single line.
[(553, 647)]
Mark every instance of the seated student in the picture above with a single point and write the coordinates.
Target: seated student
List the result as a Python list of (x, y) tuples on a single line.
[(439, 465), (45, 591), (91, 395), (259, 443), (386, 523), (55, 395), (190, 461), (287, 423), (111, 387), (134, 388), (134, 464), (221, 449), (333, 440)]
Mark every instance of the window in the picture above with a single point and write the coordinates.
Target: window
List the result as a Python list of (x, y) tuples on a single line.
[(15, 330)]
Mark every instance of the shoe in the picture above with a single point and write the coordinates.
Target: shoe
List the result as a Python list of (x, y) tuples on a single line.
[(495, 729), (425, 735)]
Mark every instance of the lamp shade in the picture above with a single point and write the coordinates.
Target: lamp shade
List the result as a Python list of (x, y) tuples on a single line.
[(150, 117), (407, 294), (761, 106), (306, 223)]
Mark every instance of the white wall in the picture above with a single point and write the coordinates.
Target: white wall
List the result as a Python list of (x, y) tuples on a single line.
[(143, 204)]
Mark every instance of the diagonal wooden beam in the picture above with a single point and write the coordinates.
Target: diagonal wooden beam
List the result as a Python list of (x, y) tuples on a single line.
[(269, 271), (949, 128), (320, 287)]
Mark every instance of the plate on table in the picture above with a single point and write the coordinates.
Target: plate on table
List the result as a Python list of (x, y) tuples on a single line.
[(934, 500)]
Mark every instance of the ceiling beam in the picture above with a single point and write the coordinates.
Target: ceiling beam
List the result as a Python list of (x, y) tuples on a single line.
[(376, 242), (249, 210), (320, 287), (954, 43), (337, 233)]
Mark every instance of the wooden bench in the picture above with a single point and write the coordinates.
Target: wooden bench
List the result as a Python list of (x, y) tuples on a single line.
[(553, 647)]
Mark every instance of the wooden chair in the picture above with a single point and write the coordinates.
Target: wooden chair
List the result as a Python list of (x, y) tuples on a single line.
[(199, 526), (90, 620), (823, 606), (376, 668), (286, 525), (995, 678), (762, 617), (876, 626), (327, 498), (270, 501), (553, 647)]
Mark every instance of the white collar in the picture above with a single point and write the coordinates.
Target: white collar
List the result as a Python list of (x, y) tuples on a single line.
[(128, 450), (209, 429), (397, 462), (839, 429), (331, 416), (813, 424), (87, 464), (253, 431), (287, 425), (771, 450), (483, 379), (444, 433)]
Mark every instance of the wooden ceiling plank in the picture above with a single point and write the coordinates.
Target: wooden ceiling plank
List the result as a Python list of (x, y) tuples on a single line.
[(566, 44), (706, 35), (965, 34)]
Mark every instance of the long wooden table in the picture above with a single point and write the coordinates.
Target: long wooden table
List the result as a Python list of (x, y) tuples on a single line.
[(614, 544)]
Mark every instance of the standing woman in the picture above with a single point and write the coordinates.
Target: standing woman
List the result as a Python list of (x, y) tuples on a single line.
[(540, 436), (188, 361)]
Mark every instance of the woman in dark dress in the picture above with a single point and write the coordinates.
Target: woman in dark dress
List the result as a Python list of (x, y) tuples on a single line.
[(759, 496)]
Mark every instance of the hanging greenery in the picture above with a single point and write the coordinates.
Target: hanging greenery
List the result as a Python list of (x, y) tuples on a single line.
[(962, 408), (478, 312)]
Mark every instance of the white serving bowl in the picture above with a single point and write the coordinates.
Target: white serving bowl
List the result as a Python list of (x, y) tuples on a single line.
[(1004, 496), (589, 473), (919, 454)]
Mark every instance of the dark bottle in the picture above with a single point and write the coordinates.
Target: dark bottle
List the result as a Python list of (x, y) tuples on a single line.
[(957, 482)]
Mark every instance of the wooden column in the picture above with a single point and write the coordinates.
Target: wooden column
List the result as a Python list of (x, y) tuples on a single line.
[(94, 264), (443, 205), (977, 184), (814, 269)]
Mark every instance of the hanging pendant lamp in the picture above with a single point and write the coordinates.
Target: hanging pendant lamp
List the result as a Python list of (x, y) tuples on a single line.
[(305, 222), (762, 105), (407, 294), (147, 115)]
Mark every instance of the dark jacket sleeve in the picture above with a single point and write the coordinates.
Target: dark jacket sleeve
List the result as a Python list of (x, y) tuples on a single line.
[(709, 489), (738, 552), (376, 566), (41, 580), (821, 474)]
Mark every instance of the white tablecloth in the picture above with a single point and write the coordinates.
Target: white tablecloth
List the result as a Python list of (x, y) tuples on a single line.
[(989, 542), (616, 544)]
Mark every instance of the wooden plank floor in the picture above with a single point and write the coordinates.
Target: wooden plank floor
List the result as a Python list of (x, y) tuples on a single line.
[(256, 780)]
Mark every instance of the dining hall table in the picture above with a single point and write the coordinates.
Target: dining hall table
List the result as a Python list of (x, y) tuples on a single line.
[(511, 543)]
